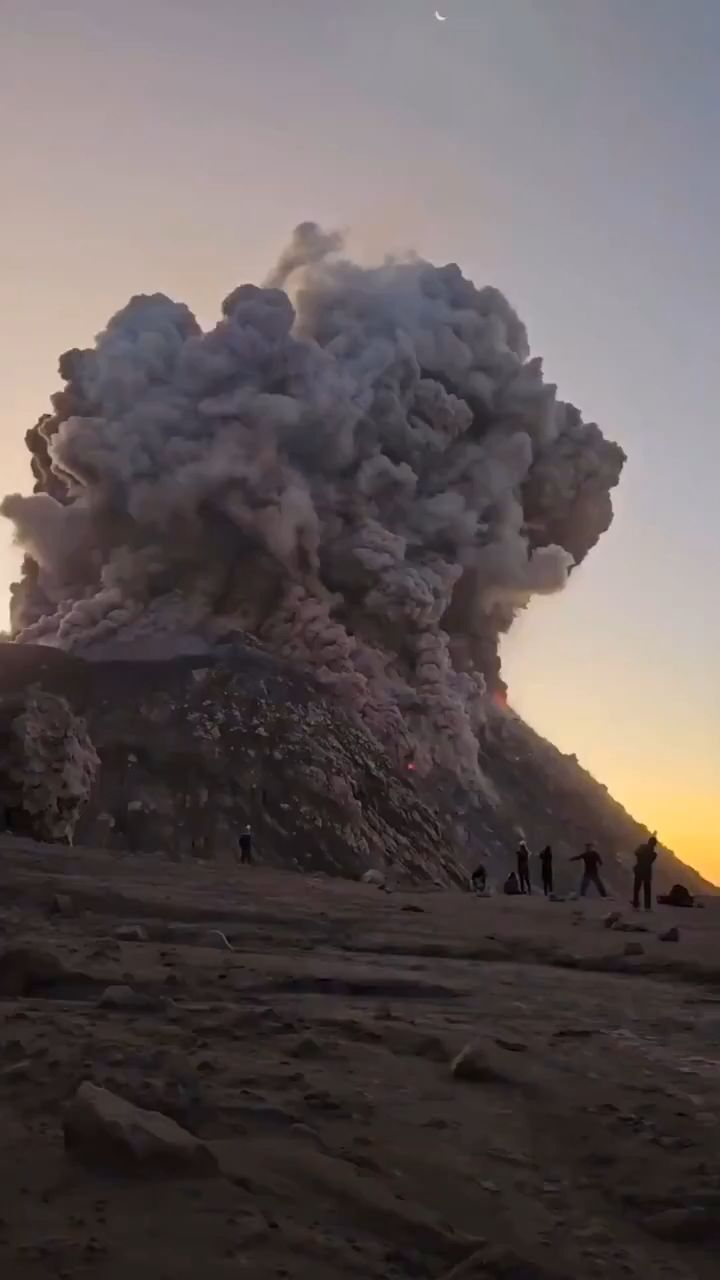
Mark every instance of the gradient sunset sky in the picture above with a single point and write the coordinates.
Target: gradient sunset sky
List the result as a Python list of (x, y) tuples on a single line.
[(564, 150)]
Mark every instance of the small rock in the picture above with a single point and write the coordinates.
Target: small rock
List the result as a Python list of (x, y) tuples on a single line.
[(61, 905), (105, 1131), (410, 906), (672, 935), (24, 969), (307, 1047), (374, 877), (611, 920), (131, 933), (512, 1046), (306, 1131), (217, 940), (121, 996), (631, 928), (16, 1071), (473, 1065), (634, 949)]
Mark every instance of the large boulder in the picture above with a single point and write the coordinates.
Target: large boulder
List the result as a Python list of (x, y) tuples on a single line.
[(194, 748), (105, 1131), (27, 970), (48, 765)]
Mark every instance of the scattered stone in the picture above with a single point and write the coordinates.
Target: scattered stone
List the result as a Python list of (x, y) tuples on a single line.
[(61, 904), (672, 935), (25, 969), (410, 906), (217, 940), (512, 1046), (472, 1064), (105, 1131), (375, 878), (16, 1071), (307, 1047), (131, 933), (610, 921), (121, 996), (692, 1225), (491, 1263), (634, 949), (308, 1133), (631, 928)]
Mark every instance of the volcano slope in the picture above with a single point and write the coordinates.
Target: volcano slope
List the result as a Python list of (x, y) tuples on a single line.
[(193, 748), (309, 1048)]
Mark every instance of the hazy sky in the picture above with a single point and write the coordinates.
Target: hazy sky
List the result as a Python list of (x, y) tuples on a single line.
[(564, 150)]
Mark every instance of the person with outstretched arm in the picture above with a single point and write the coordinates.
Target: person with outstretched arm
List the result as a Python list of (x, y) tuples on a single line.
[(523, 868), (645, 856), (591, 875)]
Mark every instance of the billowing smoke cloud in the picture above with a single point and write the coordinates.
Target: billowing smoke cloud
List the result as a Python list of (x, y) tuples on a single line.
[(373, 479)]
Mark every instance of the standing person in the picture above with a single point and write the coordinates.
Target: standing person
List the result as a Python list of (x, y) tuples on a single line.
[(523, 868), (645, 856), (591, 875), (246, 845), (478, 880), (546, 869)]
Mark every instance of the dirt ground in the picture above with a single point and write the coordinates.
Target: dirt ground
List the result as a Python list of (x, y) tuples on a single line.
[(314, 1057)]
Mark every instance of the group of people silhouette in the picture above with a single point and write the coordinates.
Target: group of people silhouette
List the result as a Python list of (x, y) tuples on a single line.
[(519, 881)]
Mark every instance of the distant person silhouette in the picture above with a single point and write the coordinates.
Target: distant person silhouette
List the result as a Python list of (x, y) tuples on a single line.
[(478, 879), (511, 886), (523, 868), (546, 869), (645, 856), (246, 845), (591, 875)]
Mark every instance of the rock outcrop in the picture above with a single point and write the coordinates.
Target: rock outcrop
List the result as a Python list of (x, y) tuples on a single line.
[(48, 764), (193, 748), (105, 1131)]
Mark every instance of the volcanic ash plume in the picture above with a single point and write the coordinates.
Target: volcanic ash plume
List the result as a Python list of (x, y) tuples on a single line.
[(373, 479)]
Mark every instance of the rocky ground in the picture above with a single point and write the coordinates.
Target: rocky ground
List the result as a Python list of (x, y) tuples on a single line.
[(300, 1033)]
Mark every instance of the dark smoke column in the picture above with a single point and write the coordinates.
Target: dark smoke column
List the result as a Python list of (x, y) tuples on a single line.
[(372, 478)]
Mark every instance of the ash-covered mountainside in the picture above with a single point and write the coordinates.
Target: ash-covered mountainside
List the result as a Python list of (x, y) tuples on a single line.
[(193, 748)]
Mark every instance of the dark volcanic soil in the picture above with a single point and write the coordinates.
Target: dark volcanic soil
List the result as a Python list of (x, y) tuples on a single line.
[(314, 1058)]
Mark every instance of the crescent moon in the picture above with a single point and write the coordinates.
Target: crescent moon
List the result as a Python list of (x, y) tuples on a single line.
[(440, 17)]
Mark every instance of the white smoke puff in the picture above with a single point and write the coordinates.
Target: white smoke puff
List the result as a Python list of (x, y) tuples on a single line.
[(373, 480), (445, 710), (308, 245), (50, 532)]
